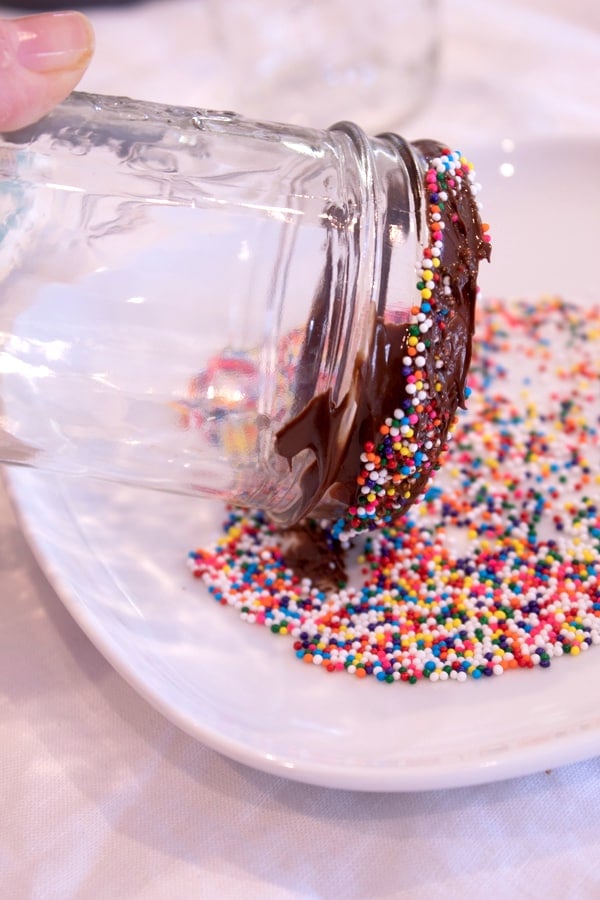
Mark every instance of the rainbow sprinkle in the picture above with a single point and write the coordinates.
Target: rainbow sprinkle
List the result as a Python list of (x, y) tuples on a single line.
[(410, 440), (499, 566)]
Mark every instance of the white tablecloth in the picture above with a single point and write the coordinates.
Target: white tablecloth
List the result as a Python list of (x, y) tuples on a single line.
[(101, 797)]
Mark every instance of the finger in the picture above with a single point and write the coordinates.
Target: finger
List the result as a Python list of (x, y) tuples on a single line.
[(42, 57)]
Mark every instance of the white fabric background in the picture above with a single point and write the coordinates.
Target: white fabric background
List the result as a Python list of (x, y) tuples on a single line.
[(100, 797)]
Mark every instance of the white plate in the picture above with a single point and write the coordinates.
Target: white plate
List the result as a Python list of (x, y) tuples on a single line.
[(116, 556)]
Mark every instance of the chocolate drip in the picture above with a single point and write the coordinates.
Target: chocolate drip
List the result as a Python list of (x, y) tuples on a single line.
[(312, 553)]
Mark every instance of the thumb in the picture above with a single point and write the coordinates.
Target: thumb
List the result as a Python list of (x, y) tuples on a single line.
[(42, 57)]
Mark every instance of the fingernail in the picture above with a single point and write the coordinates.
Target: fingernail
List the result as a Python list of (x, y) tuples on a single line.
[(54, 42)]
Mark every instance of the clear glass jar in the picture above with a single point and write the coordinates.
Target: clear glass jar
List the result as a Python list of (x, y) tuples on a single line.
[(176, 285)]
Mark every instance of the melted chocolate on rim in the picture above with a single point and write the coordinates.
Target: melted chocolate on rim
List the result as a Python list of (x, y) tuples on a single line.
[(331, 486)]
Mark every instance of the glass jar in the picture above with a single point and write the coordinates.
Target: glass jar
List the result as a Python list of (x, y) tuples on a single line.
[(189, 299), (313, 61)]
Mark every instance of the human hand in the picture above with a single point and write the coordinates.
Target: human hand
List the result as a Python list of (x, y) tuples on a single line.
[(42, 57)]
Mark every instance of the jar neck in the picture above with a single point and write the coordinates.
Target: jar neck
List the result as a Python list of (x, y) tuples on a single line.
[(404, 364), (374, 241)]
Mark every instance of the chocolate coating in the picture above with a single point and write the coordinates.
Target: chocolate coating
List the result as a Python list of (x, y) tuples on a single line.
[(378, 386)]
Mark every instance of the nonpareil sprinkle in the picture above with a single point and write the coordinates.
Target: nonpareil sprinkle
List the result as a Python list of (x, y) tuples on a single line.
[(498, 566)]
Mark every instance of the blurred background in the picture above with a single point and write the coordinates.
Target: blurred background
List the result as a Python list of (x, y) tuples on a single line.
[(459, 70)]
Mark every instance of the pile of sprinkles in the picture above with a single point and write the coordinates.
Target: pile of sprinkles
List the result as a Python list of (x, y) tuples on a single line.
[(408, 442), (498, 567)]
